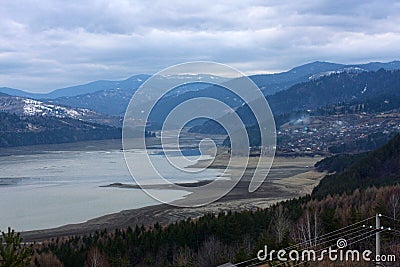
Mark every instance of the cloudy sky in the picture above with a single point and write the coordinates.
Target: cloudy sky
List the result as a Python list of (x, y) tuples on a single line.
[(51, 44)]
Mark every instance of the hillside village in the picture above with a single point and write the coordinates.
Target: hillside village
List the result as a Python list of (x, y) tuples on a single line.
[(331, 134)]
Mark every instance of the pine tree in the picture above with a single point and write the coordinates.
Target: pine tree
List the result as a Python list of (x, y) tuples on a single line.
[(12, 253)]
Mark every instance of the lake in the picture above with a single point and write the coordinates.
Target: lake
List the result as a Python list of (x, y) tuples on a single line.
[(53, 188)]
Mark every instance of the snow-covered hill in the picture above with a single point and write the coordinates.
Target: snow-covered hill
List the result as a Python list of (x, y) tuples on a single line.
[(31, 107)]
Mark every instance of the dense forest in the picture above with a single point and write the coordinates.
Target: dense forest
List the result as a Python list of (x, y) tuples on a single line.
[(336, 88), (378, 168), (338, 163), (216, 239), (34, 130), (338, 93), (237, 236)]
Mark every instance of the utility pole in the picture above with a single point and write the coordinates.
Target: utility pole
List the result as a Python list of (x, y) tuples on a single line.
[(377, 237)]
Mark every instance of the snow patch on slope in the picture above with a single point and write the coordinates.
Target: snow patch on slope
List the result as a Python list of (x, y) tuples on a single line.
[(34, 107), (327, 73), (364, 90)]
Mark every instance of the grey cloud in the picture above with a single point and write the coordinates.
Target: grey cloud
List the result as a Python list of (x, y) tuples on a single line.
[(60, 43)]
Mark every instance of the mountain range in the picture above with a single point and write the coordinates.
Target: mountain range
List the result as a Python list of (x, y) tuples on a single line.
[(127, 84), (112, 97), (308, 87), (272, 83), (375, 91), (336, 88)]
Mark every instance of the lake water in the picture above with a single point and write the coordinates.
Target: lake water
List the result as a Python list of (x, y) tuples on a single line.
[(54, 188)]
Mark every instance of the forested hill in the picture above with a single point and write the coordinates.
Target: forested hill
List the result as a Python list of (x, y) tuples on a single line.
[(335, 88), (335, 93), (33, 130), (377, 168)]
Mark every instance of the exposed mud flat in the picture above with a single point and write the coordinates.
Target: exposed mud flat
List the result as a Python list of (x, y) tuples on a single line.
[(288, 178)]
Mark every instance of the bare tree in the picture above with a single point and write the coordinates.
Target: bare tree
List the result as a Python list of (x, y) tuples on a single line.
[(307, 229), (46, 260), (212, 253), (280, 224), (96, 259), (184, 257), (394, 205)]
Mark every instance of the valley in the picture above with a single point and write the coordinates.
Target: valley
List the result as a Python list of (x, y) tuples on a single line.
[(62, 154), (199, 134)]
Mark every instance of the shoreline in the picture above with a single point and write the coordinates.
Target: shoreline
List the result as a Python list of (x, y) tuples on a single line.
[(288, 178), (157, 186)]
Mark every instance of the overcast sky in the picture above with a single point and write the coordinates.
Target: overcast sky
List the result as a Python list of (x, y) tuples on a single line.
[(50, 44)]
